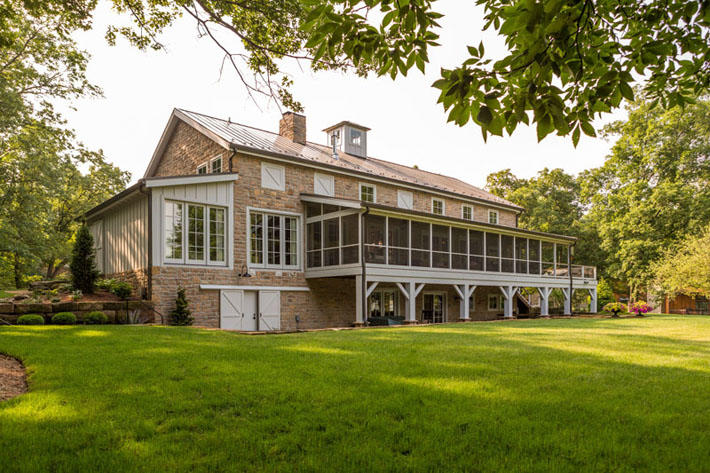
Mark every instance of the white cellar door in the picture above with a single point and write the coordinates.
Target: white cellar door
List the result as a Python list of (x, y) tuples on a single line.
[(269, 310), (231, 309)]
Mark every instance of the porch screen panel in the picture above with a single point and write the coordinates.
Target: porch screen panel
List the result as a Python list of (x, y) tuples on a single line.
[(459, 248), (548, 258), (521, 255), (313, 210), (506, 250), (561, 269), (440, 245), (420, 244), (350, 237), (534, 256), (492, 252), (331, 242), (476, 245), (398, 241), (314, 256), (375, 239)]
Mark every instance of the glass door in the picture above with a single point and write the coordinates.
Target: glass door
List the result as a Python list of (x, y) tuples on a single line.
[(433, 308)]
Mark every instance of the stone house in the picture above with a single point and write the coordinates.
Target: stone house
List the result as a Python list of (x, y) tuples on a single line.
[(267, 231)]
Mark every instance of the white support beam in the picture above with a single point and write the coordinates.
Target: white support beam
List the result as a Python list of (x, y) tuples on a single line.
[(544, 300), (418, 289), (568, 300), (359, 308), (371, 288), (464, 305), (508, 294), (458, 290), (405, 292), (593, 303), (470, 290), (411, 307)]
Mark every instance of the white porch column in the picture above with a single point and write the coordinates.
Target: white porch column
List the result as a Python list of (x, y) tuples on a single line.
[(568, 300), (544, 300), (508, 293), (593, 303), (359, 308), (413, 290), (462, 291)]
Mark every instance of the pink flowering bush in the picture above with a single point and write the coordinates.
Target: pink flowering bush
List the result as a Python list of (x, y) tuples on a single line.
[(640, 308)]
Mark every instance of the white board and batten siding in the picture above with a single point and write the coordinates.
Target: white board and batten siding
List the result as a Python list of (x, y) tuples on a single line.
[(121, 237), (219, 194)]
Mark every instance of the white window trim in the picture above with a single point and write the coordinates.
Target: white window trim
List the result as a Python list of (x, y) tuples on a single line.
[(493, 212), (443, 206), (185, 260), (281, 169), (374, 191), (299, 241), (330, 177), (203, 166), (465, 206), (496, 298), (411, 199), (221, 164)]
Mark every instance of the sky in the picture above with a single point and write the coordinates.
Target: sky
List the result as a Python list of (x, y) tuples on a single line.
[(141, 88)]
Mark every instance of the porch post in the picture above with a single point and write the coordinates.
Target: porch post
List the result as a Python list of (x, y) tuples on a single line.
[(568, 300), (359, 300), (462, 291), (411, 303), (544, 300), (508, 292), (593, 303)]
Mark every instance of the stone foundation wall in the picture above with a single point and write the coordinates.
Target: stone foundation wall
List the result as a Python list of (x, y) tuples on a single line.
[(115, 311), (137, 278)]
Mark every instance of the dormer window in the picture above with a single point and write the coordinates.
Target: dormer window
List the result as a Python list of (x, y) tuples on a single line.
[(355, 137)]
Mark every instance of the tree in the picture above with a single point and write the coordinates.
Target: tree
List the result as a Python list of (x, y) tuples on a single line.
[(552, 204), (83, 261), (181, 315), (685, 268), (43, 189), (567, 61), (654, 188)]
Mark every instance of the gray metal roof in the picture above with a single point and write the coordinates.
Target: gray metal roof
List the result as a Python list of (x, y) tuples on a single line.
[(262, 140)]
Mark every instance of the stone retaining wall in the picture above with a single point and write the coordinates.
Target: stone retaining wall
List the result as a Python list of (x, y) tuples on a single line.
[(116, 312)]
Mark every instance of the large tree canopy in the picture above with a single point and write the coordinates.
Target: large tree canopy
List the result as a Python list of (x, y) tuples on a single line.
[(654, 188), (567, 61), (685, 268)]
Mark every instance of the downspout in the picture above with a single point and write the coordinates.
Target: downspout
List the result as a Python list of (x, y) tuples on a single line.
[(362, 263), (231, 157), (570, 249)]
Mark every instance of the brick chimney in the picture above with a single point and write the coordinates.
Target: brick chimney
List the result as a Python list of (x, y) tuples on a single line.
[(293, 126)]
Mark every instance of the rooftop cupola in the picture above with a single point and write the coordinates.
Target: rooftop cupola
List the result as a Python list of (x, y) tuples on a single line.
[(348, 137)]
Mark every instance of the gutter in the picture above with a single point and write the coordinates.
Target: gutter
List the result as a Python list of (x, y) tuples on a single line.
[(233, 149), (364, 266)]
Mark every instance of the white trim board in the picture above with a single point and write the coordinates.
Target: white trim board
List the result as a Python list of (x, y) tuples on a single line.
[(193, 179), (218, 287)]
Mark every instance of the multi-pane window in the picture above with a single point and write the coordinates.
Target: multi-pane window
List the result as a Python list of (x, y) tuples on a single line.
[(437, 206), (202, 169), (467, 212), (367, 193), (216, 165), (493, 217), (201, 241), (273, 240), (173, 230)]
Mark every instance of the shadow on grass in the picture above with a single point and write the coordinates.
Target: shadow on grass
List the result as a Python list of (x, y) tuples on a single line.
[(456, 398)]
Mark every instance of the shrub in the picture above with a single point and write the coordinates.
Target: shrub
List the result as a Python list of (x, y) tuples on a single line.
[(122, 289), (105, 284), (83, 261), (615, 308), (64, 318), (95, 318), (76, 295), (640, 308), (30, 319), (181, 314)]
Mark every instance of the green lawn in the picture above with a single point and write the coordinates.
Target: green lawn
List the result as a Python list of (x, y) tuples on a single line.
[(538, 395), (4, 294)]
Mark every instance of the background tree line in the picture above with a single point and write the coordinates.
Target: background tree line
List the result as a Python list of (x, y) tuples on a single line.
[(635, 214)]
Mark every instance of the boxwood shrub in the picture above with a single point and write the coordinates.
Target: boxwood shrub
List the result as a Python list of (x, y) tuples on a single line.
[(64, 318), (122, 289), (30, 319), (95, 318)]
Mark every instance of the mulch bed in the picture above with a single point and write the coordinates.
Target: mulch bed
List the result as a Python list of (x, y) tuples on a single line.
[(13, 381)]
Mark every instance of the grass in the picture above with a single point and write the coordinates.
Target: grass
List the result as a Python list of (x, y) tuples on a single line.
[(538, 395), (5, 294)]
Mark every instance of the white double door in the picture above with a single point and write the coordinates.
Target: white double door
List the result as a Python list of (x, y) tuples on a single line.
[(250, 311)]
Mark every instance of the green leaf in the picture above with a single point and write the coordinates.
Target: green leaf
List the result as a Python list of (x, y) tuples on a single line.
[(626, 91), (484, 115), (588, 129), (575, 136)]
